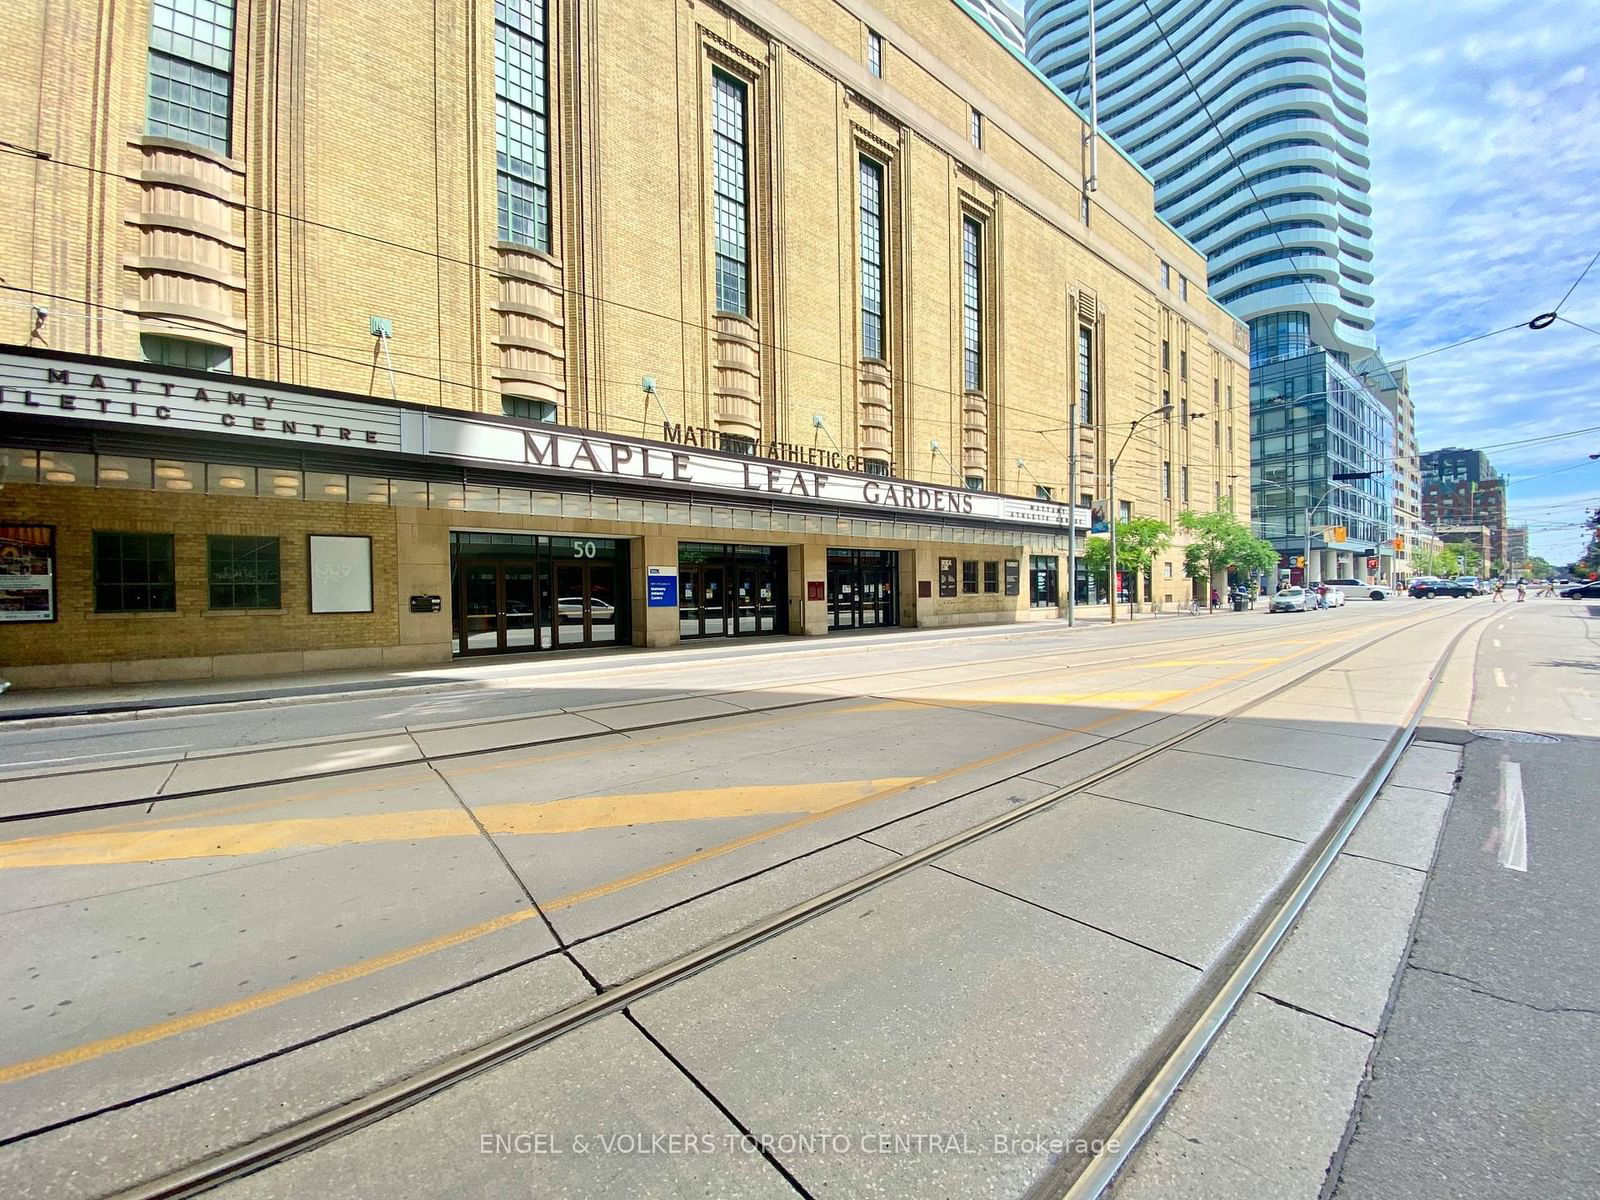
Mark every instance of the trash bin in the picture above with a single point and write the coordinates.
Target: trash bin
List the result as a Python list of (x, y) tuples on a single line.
[(1241, 603)]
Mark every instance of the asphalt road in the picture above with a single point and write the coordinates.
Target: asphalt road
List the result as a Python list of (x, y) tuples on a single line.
[(1487, 1079)]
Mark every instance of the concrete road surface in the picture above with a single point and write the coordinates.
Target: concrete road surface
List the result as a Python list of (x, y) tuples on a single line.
[(220, 923)]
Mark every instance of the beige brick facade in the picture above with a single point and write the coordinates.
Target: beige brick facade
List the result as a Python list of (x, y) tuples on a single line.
[(361, 182)]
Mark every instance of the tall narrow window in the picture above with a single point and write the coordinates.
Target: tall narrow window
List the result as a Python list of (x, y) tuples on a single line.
[(976, 129), (1166, 480), (972, 303), (191, 72), (875, 53), (521, 129), (730, 194), (1085, 375), (871, 259), (1183, 364), (1183, 476)]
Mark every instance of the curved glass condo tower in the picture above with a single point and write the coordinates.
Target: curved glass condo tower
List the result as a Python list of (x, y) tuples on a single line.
[(1273, 186)]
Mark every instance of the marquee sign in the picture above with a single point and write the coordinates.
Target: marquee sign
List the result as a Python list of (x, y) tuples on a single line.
[(138, 395), (147, 396)]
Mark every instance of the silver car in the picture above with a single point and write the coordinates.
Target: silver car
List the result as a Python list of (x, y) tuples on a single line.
[(1292, 599)]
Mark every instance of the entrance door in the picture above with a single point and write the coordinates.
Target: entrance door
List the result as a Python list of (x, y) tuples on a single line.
[(702, 602), (479, 601), (499, 608), (521, 607), (746, 600), (861, 588)]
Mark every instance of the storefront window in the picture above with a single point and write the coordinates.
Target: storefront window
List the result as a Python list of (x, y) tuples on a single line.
[(1044, 585), (134, 572), (242, 572), (991, 577), (969, 577)]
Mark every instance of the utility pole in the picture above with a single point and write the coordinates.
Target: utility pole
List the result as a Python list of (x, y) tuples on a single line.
[(1072, 477), (1111, 502), (1092, 184)]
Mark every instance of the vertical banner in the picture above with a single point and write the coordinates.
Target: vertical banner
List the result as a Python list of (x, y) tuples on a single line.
[(27, 573)]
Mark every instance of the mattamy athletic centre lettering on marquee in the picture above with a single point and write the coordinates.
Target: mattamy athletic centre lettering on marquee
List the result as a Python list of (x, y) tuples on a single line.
[(100, 393)]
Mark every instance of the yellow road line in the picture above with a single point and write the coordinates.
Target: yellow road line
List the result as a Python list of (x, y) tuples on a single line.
[(210, 1016), (572, 814)]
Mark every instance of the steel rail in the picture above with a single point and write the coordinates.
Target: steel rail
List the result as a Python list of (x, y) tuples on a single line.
[(1151, 1101), (319, 1129), (424, 759)]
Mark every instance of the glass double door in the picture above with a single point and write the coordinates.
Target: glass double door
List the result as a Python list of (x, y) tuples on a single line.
[(730, 591), (862, 588), (559, 594)]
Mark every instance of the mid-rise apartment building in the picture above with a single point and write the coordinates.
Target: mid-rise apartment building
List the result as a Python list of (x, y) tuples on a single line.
[(409, 331), (1460, 488)]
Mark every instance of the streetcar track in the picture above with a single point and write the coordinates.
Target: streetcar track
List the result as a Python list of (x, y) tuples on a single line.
[(759, 716), (1121, 1125), (338, 1121)]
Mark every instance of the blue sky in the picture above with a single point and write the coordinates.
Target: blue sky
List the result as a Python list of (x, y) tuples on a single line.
[(1485, 124)]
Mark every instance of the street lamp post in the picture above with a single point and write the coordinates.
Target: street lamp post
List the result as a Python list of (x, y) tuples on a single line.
[(1111, 502)]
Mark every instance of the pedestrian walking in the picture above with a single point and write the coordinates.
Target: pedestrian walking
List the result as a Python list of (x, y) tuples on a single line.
[(1499, 590), (1216, 600), (1522, 591)]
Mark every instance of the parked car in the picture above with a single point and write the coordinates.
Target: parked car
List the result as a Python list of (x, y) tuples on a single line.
[(569, 610), (1427, 589), (1354, 589), (1582, 591), (1292, 599)]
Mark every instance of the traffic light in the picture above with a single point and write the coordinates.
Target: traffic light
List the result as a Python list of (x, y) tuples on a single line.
[(1338, 533), (1299, 560), (1400, 543)]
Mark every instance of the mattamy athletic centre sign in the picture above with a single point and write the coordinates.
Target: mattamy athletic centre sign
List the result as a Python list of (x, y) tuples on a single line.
[(102, 392)]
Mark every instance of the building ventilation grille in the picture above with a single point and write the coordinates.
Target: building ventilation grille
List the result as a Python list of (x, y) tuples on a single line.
[(1088, 306)]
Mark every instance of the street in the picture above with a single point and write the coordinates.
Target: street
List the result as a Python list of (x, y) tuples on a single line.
[(213, 942)]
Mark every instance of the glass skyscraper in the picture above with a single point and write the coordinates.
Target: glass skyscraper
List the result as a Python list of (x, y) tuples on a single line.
[(1272, 184)]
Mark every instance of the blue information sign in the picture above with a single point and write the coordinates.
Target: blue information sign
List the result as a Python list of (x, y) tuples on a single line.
[(661, 587)]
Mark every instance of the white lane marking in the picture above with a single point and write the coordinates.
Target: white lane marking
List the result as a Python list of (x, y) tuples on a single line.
[(1497, 643), (1513, 818), (1500, 678)]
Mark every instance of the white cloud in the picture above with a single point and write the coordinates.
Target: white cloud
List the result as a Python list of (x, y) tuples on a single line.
[(1485, 160)]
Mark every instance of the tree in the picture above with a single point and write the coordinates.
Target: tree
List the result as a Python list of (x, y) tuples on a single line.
[(1540, 568), (1138, 542), (1219, 541), (1425, 560), (1448, 561)]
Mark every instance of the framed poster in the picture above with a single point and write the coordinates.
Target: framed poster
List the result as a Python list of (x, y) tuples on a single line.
[(947, 577), (340, 572), (27, 572), (1013, 577)]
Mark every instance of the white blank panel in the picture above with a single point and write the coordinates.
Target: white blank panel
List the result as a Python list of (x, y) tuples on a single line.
[(341, 573)]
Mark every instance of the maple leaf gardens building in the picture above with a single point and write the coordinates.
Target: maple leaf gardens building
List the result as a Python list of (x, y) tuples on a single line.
[(425, 331)]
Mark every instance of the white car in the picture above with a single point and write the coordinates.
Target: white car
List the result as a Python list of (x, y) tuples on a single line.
[(1332, 597), (1354, 589)]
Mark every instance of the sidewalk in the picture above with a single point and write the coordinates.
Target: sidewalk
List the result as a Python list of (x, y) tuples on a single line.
[(466, 674)]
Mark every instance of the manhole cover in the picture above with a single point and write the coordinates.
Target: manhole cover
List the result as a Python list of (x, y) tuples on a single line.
[(1513, 735)]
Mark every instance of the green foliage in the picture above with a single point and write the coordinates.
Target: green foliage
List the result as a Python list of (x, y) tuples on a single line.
[(1138, 542), (1219, 542), (1540, 568)]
